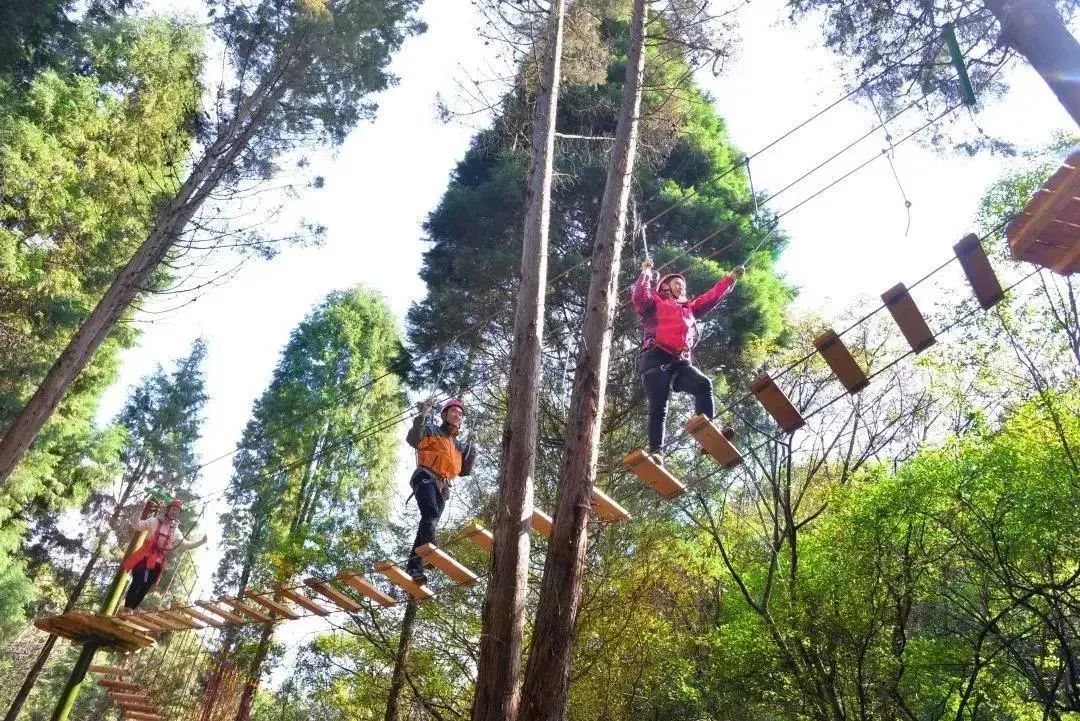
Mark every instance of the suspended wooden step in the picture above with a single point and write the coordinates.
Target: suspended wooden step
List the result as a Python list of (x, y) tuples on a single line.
[(277, 610), (907, 315), (356, 581), (110, 671), (979, 272), (137, 708), (201, 617), (142, 619), (403, 580), (777, 404), (716, 442), (333, 595), (180, 619), (227, 615), (247, 609), (1047, 232), (162, 622), (479, 535), (80, 627), (655, 476), (302, 601), (541, 523), (843, 364), (122, 686), (445, 563), (608, 509), (125, 623), (136, 716)]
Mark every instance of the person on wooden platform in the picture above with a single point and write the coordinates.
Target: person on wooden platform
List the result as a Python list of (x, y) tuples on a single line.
[(440, 458), (147, 563), (670, 331)]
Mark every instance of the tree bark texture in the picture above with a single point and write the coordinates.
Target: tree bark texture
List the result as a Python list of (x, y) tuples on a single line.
[(251, 685), (1034, 29), (169, 225), (401, 662), (547, 672), (499, 662)]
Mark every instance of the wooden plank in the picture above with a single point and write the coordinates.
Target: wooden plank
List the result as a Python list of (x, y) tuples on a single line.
[(777, 404), (136, 716), (140, 619), (115, 685), (1069, 262), (201, 617), (399, 578), (1064, 184), (110, 671), (843, 364), (980, 274), (1059, 234), (335, 596), (129, 697), (137, 708), (276, 608), (908, 317), (541, 523), (608, 509), (165, 623), (479, 535), (356, 581), (112, 632), (123, 622), (227, 615), (247, 609), (716, 443), (180, 619), (655, 476), (302, 601), (445, 563)]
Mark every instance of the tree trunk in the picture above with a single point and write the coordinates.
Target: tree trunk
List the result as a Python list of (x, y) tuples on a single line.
[(1034, 29), (169, 225), (251, 686), (499, 661), (401, 661), (547, 672)]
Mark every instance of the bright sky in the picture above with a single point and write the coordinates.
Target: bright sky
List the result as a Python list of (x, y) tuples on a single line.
[(848, 243)]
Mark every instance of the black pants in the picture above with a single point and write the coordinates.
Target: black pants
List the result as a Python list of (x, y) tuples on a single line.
[(142, 580), (430, 502), (662, 373)]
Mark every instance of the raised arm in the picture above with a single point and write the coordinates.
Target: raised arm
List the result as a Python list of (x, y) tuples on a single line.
[(416, 432), (188, 545), (467, 458), (711, 298), (143, 525), (642, 294)]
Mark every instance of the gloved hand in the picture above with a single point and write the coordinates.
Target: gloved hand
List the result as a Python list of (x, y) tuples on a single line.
[(737, 272)]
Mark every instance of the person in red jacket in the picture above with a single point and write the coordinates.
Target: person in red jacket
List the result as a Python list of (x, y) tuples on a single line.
[(147, 563), (670, 331)]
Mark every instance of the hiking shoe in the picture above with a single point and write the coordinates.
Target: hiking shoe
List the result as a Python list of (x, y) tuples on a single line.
[(727, 432), (658, 459), (418, 578)]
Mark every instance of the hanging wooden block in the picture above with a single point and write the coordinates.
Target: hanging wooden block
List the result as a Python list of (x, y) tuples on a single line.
[(608, 509), (445, 563), (354, 580), (110, 671), (840, 360), (247, 610), (301, 600), (399, 578), (165, 623), (227, 615), (713, 440), (279, 610), (130, 698), (135, 716), (123, 623), (333, 595), (907, 315), (121, 686), (979, 272), (777, 404), (541, 523), (202, 617), (1047, 232), (479, 535), (655, 476), (140, 619), (180, 619), (135, 710)]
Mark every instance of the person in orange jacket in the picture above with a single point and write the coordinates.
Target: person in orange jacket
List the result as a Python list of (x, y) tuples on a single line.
[(440, 458), (147, 563)]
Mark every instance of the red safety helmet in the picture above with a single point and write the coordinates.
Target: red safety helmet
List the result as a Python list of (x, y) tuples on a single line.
[(667, 279), (175, 502), (453, 403)]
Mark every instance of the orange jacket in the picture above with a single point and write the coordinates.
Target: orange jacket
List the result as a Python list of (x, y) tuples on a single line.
[(439, 450)]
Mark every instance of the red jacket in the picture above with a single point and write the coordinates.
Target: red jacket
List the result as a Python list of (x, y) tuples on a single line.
[(162, 537), (670, 324)]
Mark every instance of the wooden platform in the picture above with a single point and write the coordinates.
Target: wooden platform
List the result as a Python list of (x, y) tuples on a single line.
[(479, 535), (403, 580), (82, 628), (655, 476), (716, 442), (608, 509), (1047, 232), (541, 523), (356, 581)]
